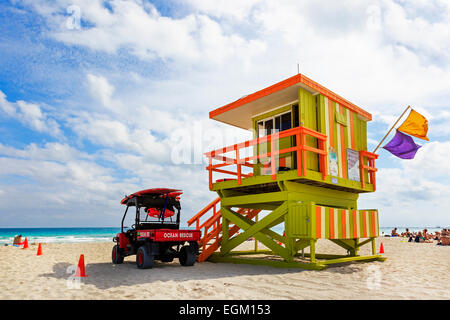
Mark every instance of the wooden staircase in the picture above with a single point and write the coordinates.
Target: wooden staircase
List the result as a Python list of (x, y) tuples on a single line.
[(212, 227)]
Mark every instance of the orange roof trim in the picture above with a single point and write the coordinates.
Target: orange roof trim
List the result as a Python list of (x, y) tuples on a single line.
[(299, 78)]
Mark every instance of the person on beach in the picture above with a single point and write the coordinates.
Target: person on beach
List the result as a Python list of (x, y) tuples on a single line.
[(437, 234), (444, 238), (418, 238), (406, 234), (426, 235), (17, 240), (394, 233)]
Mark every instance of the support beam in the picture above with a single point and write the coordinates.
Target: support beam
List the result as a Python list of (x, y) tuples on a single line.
[(225, 231), (374, 250), (313, 251), (358, 258), (360, 244), (272, 263), (243, 201), (347, 244), (255, 230), (266, 231)]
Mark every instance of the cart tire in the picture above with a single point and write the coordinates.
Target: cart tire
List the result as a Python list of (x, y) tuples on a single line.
[(187, 256), (143, 259), (116, 256)]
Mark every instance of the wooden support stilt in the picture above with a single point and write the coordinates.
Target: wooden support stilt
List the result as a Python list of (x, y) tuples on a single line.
[(313, 251), (225, 232)]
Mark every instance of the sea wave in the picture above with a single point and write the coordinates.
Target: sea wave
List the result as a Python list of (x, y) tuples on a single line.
[(59, 239)]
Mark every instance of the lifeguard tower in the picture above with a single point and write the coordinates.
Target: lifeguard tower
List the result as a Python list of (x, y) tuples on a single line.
[(305, 168)]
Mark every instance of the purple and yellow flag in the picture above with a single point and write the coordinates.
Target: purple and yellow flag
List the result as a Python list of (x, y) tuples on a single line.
[(402, 146), (415, 125)]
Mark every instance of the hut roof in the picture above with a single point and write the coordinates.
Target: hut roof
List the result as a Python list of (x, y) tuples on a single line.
[(240, 112)]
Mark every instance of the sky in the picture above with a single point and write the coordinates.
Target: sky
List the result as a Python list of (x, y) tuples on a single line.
[(96, 96)]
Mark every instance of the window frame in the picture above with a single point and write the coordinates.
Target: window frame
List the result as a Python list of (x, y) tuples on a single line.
[(273, 119)]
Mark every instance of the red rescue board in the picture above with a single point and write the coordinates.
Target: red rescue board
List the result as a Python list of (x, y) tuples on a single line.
[(170, 235)]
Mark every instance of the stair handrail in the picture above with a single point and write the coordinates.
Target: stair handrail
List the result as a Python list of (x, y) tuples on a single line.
[(212, 220), (200, 214)]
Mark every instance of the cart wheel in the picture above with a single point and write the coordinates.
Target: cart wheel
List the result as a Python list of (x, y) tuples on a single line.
[(117, 258), (187, 256), (143, 259)]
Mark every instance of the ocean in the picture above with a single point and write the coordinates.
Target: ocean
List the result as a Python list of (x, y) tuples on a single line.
[(74, 235), (58, 235)]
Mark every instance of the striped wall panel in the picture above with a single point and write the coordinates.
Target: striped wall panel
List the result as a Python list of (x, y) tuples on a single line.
[(340, 136), (333, 223)]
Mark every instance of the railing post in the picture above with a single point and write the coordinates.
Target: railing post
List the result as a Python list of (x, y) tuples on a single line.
[(361, 169), (303, 155), (322, 161), (299, 153), (210, 171), (272, 157), (238, 165), (372, 174)]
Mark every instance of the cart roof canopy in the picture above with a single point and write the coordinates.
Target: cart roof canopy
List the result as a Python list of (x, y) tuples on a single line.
[(240, 112), (153, 193)]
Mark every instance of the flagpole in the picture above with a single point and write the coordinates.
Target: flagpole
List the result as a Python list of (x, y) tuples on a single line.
[(408, 107)]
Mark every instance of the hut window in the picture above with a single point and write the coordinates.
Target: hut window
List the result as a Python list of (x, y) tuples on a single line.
[(274, 124), (268, 126), (285, 121), (261, 129)]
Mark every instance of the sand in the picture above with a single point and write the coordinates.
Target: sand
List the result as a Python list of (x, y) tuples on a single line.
[(412, 271)]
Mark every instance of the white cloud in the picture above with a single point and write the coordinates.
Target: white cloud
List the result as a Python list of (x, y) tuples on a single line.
[(7, 106), (30, 115), (60, 186), (53, 151), (234, 9), (138, 27), (102, 91)]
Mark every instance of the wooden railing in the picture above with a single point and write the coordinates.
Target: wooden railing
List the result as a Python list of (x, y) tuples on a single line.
[(370, 167), (300, 149), (201, 213)]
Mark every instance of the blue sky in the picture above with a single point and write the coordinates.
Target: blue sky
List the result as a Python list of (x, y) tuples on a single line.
[(92, 91)]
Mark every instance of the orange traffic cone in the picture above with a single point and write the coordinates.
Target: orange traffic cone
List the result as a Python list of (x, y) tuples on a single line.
[(39, 252), (25, 244), (80, 270), (381, 248)]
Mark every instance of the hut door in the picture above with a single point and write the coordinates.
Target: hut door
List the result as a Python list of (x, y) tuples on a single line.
[(309, 119)]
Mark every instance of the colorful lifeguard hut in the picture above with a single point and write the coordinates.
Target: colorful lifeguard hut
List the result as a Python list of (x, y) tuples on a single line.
[(305, 168)]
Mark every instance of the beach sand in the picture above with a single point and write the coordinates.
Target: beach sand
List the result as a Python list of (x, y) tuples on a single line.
[(412, 271)]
